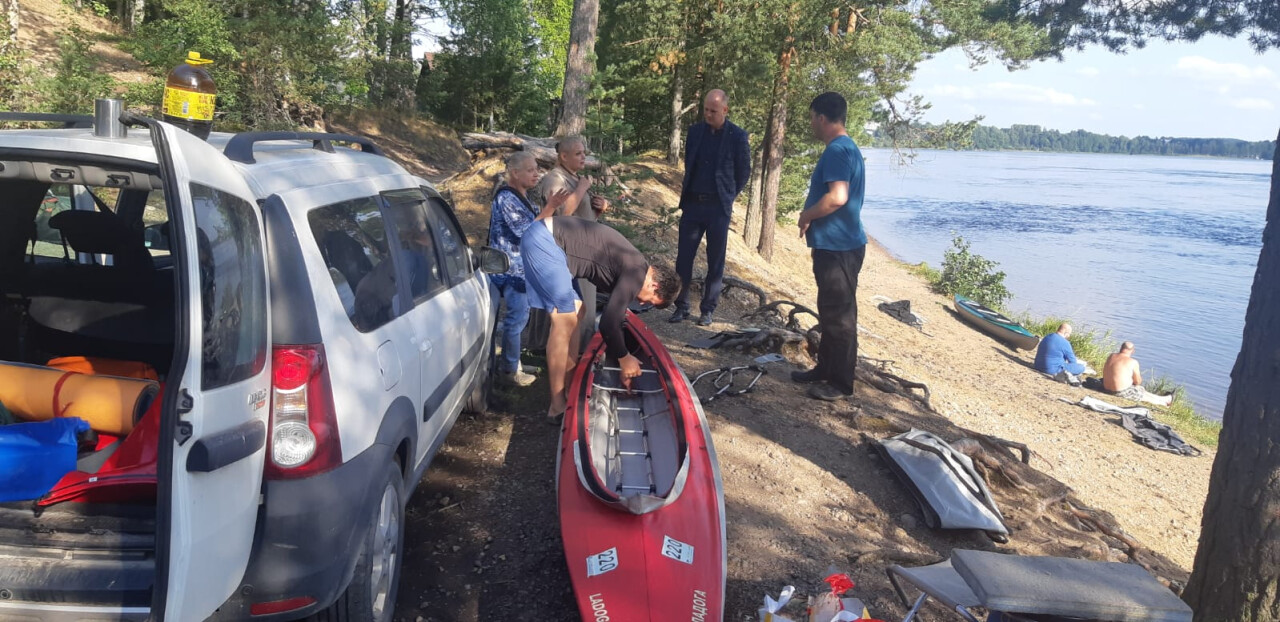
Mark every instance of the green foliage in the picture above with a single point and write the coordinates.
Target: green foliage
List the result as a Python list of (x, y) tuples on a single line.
[(189, 25), (487, 75), (75, 81), (145, 96), (274, 64), (930, 274), (1181, 413), (17, 79), (794, 187), (551, 31), (101, 9), (972, 276), (607, 127)]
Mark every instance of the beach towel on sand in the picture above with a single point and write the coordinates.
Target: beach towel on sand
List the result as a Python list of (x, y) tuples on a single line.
[(1145, 430)]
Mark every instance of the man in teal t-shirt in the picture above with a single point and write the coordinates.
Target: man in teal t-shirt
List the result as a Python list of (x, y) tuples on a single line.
[(831, 224)]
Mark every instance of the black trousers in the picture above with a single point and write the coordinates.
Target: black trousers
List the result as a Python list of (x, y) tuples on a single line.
[(837, 275), (695, 222)]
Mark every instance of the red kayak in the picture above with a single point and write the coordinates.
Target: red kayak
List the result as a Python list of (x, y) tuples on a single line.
[(641, 502)]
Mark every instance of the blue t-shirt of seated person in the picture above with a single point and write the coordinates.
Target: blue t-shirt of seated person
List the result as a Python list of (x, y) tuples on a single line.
[(840, 230)]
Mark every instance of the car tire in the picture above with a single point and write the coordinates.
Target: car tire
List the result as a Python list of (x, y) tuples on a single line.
[(478, 399), (371, 595)]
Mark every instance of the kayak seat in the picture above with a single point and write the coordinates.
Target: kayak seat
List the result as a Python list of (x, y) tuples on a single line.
[(634, 449)]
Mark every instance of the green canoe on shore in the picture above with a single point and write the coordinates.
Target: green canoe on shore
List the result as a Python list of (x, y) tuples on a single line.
[(993, 323)]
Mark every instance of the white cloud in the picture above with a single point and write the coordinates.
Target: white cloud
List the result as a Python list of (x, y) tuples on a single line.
[(1091, 72), (1139, 106), (1010, 92), (1208, 70), (1026, 93), (951, 90), (1252, 103)]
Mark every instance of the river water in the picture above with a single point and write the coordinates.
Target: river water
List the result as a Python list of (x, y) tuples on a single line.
[(1161, 251)]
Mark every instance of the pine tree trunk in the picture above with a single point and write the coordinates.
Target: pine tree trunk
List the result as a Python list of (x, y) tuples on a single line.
[(135, 12), (578, 67), (401, 44), (772, 158), (10, 8), (1237, 569), (677, 106), (751, 222)]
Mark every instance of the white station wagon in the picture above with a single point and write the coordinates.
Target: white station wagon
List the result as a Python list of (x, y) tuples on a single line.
[(314, 320)]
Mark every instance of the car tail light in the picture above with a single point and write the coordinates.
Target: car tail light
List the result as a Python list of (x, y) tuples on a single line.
[(280, 606), (304, 429)]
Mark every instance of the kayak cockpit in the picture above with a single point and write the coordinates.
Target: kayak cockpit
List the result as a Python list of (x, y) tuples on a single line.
[(635, 454)]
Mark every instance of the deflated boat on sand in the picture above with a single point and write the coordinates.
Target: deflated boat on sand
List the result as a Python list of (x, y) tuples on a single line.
[(640, 497)]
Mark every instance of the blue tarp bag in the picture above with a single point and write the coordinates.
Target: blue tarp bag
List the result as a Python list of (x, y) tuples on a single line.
[(34, 456)]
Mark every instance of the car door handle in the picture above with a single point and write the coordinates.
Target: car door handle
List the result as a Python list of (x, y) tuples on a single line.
[(213, 452)]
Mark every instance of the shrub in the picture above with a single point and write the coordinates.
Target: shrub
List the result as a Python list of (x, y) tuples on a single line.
[(972, 276), (927, 272), (76, 80), (17, 77)]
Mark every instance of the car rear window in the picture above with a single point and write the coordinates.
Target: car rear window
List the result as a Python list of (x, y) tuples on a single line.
[(233, 287), (353, 240)]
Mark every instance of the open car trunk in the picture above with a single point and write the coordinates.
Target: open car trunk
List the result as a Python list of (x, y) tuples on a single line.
[(87, 331)]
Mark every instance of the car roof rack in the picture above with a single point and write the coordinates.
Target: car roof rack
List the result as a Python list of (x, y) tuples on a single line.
[(67, 120), (240, 147)]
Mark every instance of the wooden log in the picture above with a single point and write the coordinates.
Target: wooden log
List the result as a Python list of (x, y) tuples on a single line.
[(543, 149)]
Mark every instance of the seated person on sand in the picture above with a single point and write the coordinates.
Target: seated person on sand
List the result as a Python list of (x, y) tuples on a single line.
[(1121, 377), (558, 249), (1055, 355)]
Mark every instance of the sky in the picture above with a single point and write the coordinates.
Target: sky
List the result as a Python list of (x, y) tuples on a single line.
[(1214, 88)]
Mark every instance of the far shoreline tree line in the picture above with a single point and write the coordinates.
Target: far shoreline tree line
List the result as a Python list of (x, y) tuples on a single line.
[(969, 136)]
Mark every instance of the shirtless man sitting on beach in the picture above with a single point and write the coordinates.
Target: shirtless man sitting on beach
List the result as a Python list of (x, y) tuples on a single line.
[(1121, 377)]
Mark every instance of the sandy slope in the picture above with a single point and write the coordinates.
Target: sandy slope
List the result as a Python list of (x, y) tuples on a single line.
[(803, 490)]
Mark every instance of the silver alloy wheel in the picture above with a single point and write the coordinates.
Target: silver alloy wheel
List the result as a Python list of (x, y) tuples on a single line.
[(386, 552)]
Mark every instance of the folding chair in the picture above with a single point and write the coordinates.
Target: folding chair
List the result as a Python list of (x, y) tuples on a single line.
[(1040, 588)]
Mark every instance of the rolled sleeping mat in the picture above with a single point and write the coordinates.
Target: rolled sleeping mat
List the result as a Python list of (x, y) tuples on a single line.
[(111, 405)]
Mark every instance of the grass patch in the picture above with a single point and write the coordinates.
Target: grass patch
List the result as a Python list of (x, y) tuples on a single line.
[(931, 275), (1181, 415)]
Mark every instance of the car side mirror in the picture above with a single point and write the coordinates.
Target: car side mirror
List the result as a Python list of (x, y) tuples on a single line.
[(493, 261)]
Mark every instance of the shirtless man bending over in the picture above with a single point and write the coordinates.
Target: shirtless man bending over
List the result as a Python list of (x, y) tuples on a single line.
[(1121, 377)]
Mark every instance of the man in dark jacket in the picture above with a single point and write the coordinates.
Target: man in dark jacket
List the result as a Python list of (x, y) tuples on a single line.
[(717, 166)]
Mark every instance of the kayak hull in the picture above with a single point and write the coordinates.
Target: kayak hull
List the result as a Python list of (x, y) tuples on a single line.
[(995, 324), (654, 555)]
